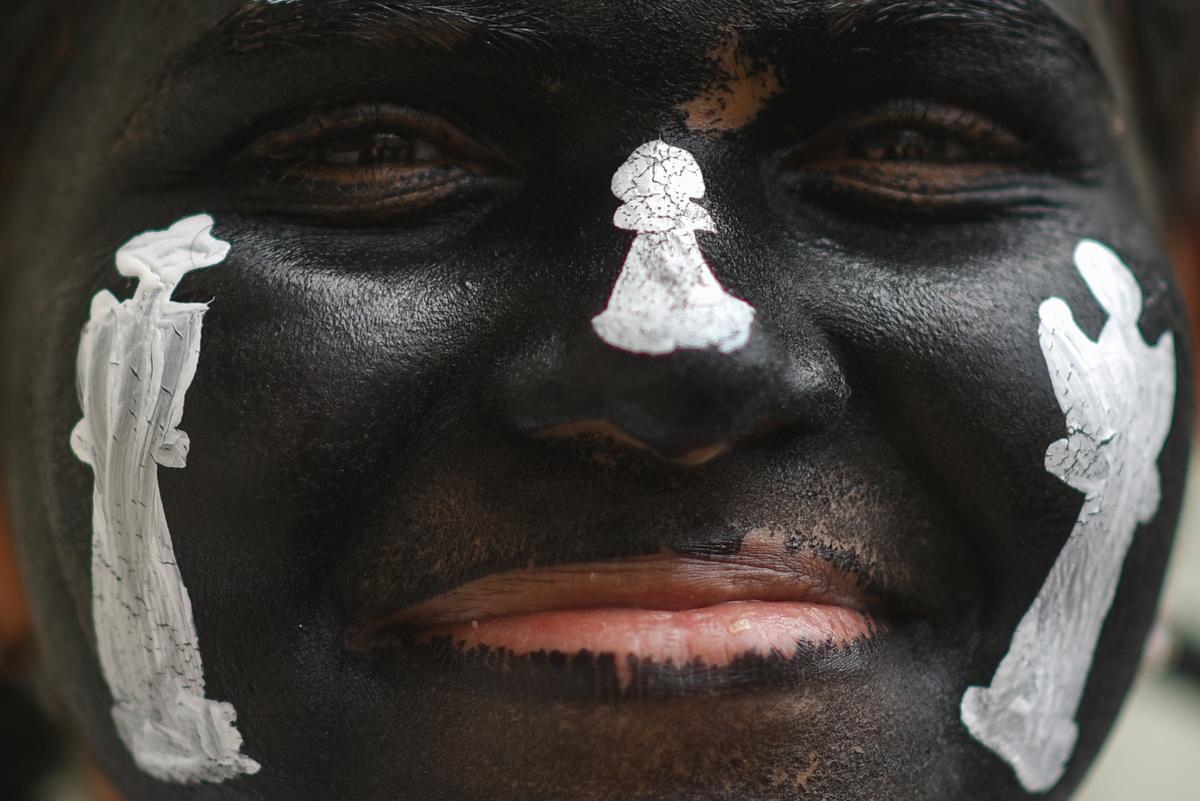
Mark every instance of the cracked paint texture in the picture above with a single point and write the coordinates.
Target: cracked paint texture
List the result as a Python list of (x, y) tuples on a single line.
[(1118, 395), (136, 360), (667, 297)]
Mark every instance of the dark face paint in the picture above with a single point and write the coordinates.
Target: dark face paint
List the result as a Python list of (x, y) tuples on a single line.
[(375, 375)]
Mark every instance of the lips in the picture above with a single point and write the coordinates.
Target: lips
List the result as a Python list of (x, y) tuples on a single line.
[(666, 609)]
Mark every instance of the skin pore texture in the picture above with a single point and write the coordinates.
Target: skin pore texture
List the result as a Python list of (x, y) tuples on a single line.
[(443, 541)]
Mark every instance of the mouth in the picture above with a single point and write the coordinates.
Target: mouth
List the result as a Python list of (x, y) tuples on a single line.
[(669, 610)]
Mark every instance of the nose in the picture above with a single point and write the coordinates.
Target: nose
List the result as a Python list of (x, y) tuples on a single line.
[(674, 364), (688, 406)]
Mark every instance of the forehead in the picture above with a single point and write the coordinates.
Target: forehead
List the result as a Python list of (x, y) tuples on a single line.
[(662, 21), (634, 42)]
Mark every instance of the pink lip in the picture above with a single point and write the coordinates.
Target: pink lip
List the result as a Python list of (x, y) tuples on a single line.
[(667, 608), (710, 635)]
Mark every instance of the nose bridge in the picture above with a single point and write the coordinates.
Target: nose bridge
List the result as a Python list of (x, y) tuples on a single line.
[(674, 362), (667, 297)]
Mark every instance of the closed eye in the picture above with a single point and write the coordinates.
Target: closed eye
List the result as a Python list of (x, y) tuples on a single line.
[(370, 162), (917, 156)]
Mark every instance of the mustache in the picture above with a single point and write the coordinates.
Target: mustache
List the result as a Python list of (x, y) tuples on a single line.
[(769, 559), (832, 624), (464, 517)]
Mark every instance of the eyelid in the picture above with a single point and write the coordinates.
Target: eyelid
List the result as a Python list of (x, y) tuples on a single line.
[(285, 171), (371, 117), (995, 172), (926, 116)]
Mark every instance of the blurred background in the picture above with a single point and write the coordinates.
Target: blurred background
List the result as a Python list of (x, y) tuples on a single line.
[(1154, 752)]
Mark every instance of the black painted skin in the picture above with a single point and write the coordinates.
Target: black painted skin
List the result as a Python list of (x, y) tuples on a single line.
[(371, 379)]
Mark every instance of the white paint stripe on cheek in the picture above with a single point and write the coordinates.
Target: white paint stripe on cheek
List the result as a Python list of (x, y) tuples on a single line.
[(136, 360), (666, 297), (1118, 395)]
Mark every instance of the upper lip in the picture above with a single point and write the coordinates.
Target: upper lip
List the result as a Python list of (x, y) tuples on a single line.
[(666, 581)]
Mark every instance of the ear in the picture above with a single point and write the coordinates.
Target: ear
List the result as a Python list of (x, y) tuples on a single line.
[(15, 625)]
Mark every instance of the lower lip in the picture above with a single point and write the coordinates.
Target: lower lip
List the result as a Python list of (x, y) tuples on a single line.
[(713, 635)]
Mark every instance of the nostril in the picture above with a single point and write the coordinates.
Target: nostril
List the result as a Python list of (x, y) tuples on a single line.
[(605, 434), (704, 454), (780, 431), (688, 408), (600, 431)]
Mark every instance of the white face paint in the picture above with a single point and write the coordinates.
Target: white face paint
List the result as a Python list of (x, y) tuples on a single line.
[(1118, 394), (666, 297), (136, 361)]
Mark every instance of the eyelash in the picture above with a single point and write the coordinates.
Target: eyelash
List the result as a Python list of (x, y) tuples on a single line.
[(924, 158), (369, 163), (376, 163)]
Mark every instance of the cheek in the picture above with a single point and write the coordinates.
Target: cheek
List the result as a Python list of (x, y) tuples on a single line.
[(946, 360), (1118, 396), (136, 362)]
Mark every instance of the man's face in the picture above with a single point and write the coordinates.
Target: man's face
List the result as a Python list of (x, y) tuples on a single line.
[(400, 390)]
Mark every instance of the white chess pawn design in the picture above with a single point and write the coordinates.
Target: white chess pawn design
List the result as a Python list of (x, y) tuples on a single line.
[(1118, 395), (667, 297)]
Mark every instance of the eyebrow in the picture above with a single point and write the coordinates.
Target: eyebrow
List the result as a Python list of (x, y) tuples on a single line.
[(522, 28), (537, 33), (307, 24), (1026, 19)]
